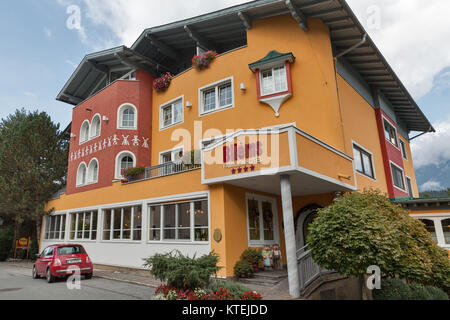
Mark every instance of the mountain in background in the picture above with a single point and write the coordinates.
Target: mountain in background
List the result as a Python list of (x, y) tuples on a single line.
[(433, 178)]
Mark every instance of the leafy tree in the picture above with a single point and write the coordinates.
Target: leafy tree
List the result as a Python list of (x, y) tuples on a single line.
[(363, 229), (33, 166)]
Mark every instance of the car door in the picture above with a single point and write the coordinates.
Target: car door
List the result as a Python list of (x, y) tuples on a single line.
[(39, 262), (46, 258)]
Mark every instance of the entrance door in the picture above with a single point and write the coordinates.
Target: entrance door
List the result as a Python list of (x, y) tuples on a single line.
[(262, 220)]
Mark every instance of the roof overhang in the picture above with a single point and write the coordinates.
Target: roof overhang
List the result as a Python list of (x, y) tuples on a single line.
[(94, 68)]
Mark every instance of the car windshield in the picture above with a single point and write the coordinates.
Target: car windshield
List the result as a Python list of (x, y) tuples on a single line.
[(70, 250)]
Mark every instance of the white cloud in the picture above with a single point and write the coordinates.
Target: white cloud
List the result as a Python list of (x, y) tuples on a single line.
[(431, 186), (413, 36), (434, 148), (31, 95)]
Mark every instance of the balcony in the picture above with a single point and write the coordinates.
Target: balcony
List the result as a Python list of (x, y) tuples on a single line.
[(164, 170)]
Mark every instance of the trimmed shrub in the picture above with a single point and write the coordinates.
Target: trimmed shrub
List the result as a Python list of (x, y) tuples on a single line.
[(253, 257), (436, 293), (243, 269), (183, 272), (392, 289), (237, 290)]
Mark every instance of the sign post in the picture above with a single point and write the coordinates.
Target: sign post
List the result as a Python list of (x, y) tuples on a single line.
[(24, 244)]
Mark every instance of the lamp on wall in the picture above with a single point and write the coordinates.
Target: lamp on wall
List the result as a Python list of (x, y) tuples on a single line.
[(73, 135), (243, 87), (188, 104), (105, 118)]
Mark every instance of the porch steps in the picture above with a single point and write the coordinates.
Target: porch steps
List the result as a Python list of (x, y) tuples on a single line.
[(266, 278)]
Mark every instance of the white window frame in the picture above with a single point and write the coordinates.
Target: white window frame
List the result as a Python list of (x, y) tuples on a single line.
[(407, 186), (81, 139), (216, 85), (402, 146), (261, 242), (374, 178), (118, 162), (92, 134), (171, 104), (120, 112), (396, 132), (192, 222), (272, 69), (79, 183), (120, 210), (403, 174), (47, 232), (173, 153), (437, 219), (89, 171), (76, 216)]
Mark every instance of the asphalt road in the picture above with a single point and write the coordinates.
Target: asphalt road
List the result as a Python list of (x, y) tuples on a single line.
[(16, 283)]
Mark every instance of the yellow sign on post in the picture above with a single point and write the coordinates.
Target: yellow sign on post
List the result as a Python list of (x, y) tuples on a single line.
[(24, 244)]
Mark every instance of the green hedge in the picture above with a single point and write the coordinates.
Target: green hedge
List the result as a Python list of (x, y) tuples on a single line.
[(6, 238), (235, 289), (395, 289)]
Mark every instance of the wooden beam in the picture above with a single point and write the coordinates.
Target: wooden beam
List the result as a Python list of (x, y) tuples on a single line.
[(163, 48), (98, 67), (133, 64), (246, 20), (298, 15), (199, 40)]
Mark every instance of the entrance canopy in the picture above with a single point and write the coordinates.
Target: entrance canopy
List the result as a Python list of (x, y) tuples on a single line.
[(255, 159)]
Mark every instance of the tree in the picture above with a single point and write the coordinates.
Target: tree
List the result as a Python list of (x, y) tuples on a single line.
[(363, 229), (33, 166)]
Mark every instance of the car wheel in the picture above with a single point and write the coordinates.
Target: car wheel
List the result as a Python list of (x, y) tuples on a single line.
[(88, 276), (35, 274), (50, 277)]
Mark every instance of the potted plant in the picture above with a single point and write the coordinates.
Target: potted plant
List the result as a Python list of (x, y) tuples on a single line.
[(203, 60), (133, 174), (163, 82)]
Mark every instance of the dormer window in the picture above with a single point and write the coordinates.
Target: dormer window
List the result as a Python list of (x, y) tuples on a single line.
[(273, 74)]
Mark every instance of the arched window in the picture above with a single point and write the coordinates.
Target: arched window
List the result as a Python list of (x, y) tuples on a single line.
[(95, 126), (92, 173), (84, 132), (81, 174), (124, 160), (127, 117)]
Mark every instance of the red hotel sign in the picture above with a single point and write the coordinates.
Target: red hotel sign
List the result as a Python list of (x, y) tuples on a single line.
[(242, 152)]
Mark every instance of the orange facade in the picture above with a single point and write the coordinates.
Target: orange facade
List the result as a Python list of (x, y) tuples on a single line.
[(312, 140)]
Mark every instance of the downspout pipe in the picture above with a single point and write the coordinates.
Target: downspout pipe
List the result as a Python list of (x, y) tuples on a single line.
[(364, 39)]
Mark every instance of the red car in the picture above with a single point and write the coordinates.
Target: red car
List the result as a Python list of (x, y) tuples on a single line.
[(61, 260)]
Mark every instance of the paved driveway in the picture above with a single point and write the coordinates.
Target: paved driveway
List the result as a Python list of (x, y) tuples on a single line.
[(17, 283)]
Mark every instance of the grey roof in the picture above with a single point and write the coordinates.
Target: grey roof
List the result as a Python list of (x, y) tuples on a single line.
[(170, 47)]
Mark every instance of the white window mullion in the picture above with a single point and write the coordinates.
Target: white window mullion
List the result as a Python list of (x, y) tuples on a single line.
[(176, 221), (261, 223), (162, 223), (121, 224), (84, 224), (111, 226), (76, 225), (132, 224), (192, 207), (60, 226), (90, 226), (439, 231)]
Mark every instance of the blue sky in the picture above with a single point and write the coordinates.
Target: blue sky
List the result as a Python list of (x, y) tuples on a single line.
[(40, 52)]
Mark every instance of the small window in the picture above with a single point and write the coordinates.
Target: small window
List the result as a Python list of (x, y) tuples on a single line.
[(273, 80), (123, 223), (390, 133), (403, 149), (124, 160), (216, 97), (55, 227), (398, 177), (83, 225), (92, 173), (410, 189), (84, 132), (363, 162), (95, 127), (175, 155), (127, 117), (172, 113), (81, 174)]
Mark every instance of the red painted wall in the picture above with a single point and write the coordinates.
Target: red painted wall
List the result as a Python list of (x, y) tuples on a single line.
[(106, 103), (390, 153)]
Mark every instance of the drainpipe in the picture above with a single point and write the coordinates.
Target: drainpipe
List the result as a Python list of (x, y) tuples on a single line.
[(353, 47)]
